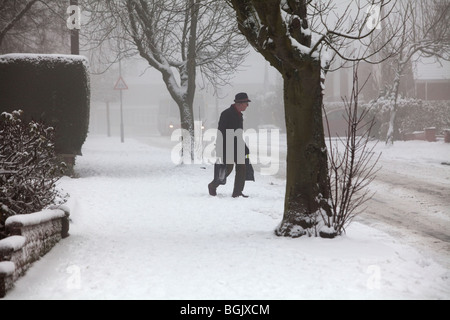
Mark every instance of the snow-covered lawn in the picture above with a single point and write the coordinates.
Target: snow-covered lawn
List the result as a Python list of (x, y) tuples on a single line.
[(145, 228)]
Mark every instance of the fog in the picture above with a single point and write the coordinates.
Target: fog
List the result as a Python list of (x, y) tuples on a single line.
[(46, 31), (147, 92)]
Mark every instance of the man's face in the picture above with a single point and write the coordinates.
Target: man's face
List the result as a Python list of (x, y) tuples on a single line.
[(242, 106)]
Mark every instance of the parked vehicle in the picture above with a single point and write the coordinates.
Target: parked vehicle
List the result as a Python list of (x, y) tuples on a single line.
[(169, 115)]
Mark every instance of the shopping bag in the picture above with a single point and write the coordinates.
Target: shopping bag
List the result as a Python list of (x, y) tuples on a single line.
[(249, 172), (220, 173)]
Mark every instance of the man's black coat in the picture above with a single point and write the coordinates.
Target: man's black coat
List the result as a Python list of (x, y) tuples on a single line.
[(231, 125)]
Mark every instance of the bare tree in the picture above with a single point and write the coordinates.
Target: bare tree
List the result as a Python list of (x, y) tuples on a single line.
[(12, 12), (33, 26), (425, 32), (177, 38), (352, 169), (292, 35)]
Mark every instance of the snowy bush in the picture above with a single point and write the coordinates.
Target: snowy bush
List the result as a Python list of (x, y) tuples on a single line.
[(29, 168), (413, 115)]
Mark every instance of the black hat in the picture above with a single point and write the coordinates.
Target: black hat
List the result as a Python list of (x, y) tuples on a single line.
[(241, 97)]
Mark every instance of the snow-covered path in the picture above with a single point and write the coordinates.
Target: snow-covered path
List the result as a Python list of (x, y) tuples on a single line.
[(411, 200), (145, 228), (413, 207)]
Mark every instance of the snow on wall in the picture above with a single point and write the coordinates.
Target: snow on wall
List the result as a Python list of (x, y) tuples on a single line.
[(31, 237), (11, 244), (24, 220)]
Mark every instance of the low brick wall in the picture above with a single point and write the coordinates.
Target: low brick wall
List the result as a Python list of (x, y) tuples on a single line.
[(429, 134), (447, 135), (30, 236)]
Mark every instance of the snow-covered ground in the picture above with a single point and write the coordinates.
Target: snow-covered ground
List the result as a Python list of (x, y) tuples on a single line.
[(412, 199), (145, 228)]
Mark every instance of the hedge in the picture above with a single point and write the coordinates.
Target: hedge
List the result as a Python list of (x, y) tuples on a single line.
[(54, 89), (412, 115)]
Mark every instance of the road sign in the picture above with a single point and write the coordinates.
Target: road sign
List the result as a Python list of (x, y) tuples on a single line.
[(120, 84)]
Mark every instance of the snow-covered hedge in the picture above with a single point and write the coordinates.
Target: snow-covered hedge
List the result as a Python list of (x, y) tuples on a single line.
[(412, 115), (31, 236), (29, 168), (53, 88)]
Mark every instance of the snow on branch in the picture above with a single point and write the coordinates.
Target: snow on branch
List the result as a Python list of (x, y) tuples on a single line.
[(310, 29)]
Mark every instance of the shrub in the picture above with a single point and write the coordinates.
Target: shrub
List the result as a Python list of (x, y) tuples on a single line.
[(352, 167), (412, 115), (50, 88), (28, 167)]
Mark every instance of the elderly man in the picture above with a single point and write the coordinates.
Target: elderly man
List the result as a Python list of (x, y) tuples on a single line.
[(230, 145)]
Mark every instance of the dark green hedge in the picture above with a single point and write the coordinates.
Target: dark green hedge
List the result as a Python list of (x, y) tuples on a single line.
[(50, 88)]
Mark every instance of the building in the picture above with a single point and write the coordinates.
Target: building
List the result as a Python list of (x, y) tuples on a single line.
[(432, 80)]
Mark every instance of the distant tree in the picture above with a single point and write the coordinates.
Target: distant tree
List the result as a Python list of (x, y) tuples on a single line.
[(33, 26), (424, 32), (11, 13), (177, 38)]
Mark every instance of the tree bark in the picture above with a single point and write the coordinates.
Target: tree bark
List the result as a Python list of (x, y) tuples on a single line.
[(277, 39), (187, 109), (393, 112), (307, 188)]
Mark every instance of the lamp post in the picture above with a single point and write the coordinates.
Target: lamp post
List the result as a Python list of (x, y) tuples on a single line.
[(122, 134), (74, 26)]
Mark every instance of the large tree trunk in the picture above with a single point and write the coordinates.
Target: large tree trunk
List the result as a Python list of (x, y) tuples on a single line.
[(277, 31), (307, 188)]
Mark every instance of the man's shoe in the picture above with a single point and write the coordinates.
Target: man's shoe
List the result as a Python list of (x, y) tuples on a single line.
[(239, 195), (212, 190)]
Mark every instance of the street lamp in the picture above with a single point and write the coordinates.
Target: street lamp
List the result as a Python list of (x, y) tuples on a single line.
[(74, 25)]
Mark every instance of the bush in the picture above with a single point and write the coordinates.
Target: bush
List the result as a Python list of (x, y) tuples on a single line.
[(412, 115), (352, 167), (50, 88), (29, 168)]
